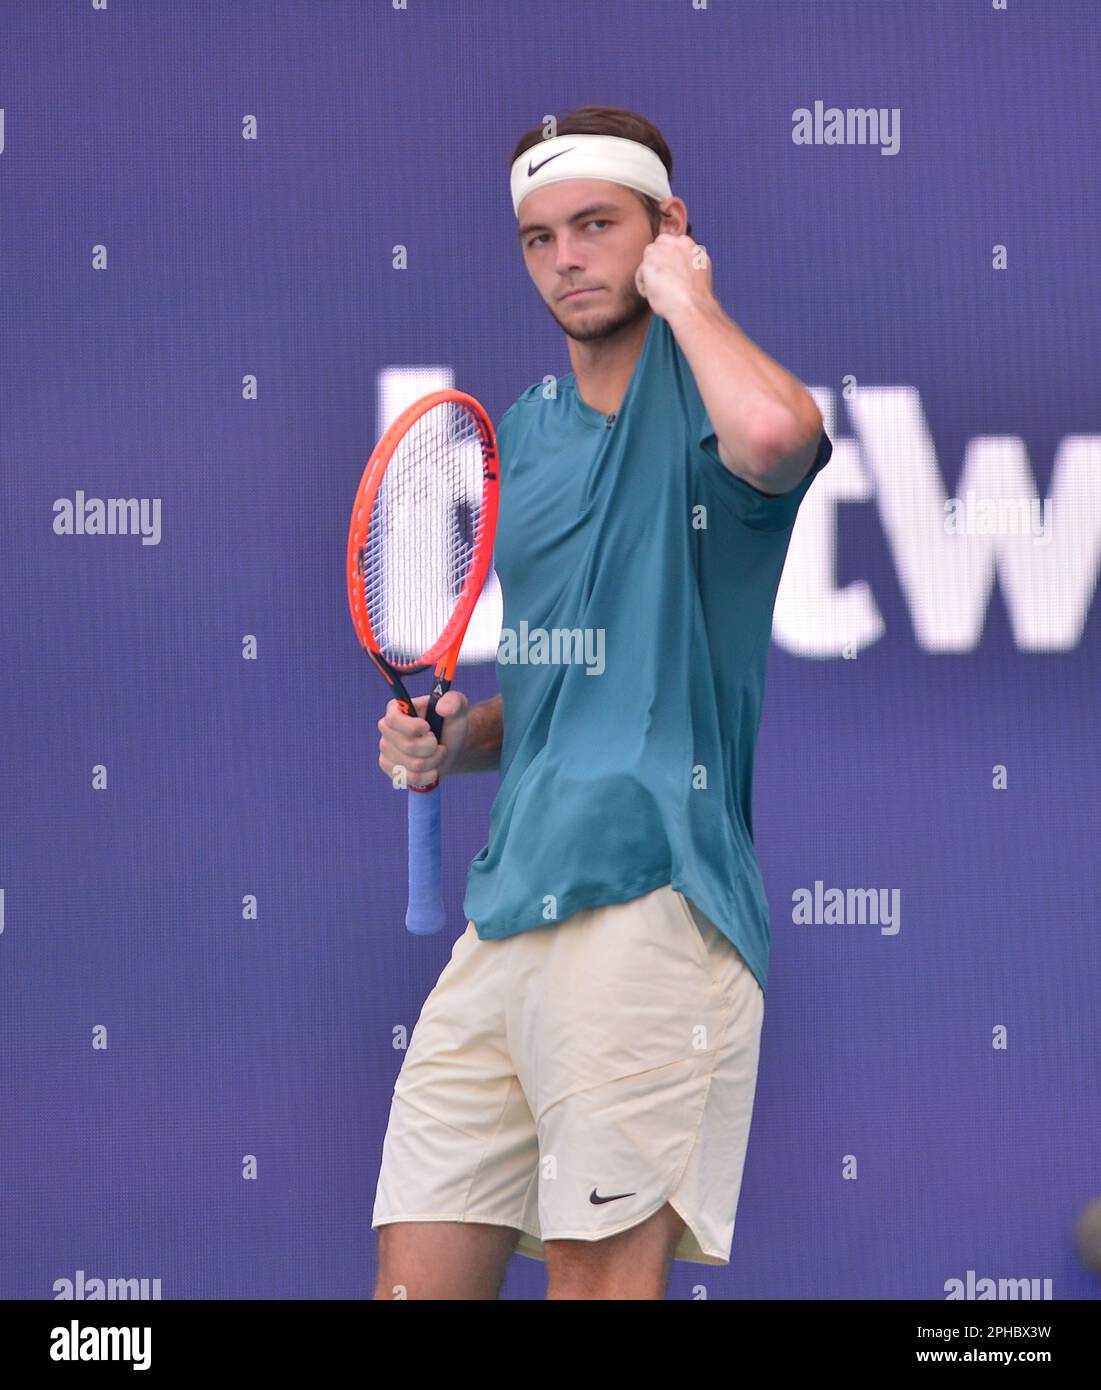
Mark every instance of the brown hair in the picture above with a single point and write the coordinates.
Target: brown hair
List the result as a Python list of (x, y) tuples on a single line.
[(610, 120)]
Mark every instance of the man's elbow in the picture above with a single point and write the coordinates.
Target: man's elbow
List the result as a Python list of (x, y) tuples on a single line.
[(784, 450)]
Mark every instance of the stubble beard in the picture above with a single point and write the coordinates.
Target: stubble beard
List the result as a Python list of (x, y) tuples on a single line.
[(631, 307)]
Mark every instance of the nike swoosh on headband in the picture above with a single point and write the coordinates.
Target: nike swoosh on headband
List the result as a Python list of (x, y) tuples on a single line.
[(534, 169)]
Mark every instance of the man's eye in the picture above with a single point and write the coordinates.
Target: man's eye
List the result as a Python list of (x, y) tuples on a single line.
[(593, 222)]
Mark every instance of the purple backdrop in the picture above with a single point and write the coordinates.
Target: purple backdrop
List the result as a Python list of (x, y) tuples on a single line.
[(155, 262)]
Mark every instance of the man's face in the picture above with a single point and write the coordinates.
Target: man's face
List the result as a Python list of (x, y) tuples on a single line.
[(588, 235)]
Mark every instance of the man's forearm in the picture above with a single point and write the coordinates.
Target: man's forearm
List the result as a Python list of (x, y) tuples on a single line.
[(767, 423), (485, 730)]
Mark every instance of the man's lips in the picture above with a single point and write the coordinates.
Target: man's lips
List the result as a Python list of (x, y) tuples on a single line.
[(574, 294)]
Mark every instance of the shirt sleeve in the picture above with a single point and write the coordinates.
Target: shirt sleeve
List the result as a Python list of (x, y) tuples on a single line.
[(501, 432), (761, 511)]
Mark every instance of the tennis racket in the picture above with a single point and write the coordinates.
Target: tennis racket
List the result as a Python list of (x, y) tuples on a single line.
[(419, 550)]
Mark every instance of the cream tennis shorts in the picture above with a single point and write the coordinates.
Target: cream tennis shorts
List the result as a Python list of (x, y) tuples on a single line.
[(570, 1080)]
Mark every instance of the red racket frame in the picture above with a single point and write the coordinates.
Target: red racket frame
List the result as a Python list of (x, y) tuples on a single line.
[(443, 655)]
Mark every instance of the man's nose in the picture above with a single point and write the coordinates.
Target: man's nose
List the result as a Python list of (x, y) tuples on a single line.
[(567, 254)]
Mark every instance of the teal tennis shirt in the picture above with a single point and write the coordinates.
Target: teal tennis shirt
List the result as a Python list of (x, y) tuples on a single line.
[(639, 577)]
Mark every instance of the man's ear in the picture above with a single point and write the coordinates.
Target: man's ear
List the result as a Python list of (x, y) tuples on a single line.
[(674, 216)]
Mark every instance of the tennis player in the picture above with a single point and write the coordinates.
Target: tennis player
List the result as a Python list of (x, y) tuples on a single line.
[(580, 1083)]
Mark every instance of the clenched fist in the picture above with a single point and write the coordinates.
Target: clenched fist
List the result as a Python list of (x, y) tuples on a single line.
[(407, 752)]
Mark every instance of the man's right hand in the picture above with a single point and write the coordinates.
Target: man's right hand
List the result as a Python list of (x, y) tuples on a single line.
[(408, 743)]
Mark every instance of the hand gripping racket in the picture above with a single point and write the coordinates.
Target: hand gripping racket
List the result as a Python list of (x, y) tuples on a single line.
[(419, 550)]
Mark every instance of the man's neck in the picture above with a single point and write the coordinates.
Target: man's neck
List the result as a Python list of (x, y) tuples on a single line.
[(603, 369)]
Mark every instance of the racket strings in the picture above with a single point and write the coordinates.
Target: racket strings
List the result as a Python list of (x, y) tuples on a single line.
[(424, 532)]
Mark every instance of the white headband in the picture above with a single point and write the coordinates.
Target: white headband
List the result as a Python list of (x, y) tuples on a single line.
[(589, 157)]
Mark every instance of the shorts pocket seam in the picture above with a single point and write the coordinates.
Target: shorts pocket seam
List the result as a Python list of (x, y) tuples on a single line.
[(694, 927)]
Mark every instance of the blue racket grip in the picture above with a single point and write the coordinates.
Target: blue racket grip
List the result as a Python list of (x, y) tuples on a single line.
[(425, 913)]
